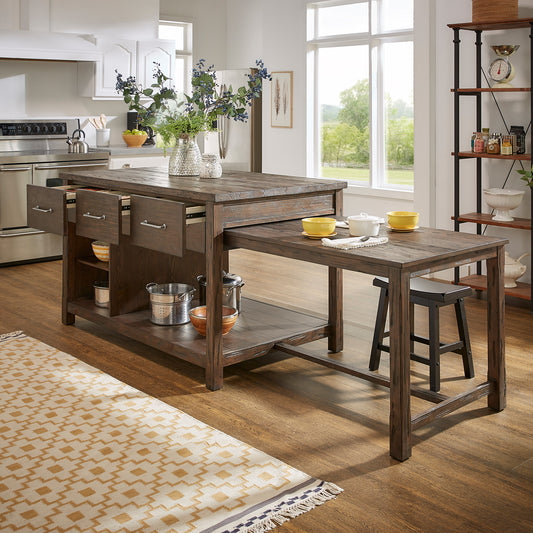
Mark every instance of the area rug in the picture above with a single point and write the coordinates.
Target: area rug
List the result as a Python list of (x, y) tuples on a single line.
[(81, 451)]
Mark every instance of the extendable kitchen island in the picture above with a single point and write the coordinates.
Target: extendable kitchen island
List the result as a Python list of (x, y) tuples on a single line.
[(144, 213)]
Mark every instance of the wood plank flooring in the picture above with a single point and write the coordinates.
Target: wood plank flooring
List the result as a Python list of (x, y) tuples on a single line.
[(471, 471)]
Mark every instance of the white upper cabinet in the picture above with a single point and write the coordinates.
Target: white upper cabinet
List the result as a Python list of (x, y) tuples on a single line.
[(131, 58), (155, 51)]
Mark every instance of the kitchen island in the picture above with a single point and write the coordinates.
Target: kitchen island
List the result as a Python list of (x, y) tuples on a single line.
[(153, 240)]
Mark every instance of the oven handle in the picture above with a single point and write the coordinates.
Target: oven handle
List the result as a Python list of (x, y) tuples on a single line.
[(15, 169), (42, 167)]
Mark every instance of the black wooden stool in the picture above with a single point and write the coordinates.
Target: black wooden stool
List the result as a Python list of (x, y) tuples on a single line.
[(432, 295)]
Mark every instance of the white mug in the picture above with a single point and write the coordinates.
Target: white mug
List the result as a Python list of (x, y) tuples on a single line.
[(102, 137)]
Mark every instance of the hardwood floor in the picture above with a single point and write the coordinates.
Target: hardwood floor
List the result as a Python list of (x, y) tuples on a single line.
[(471, 471)]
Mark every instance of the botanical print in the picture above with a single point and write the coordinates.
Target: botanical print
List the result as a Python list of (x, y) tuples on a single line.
[(282, 99)]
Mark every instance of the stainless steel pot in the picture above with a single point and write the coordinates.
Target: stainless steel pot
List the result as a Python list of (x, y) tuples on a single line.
[(231, 296), (170, 303)]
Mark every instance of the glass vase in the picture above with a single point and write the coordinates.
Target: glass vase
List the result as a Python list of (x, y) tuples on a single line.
[(185, 158)]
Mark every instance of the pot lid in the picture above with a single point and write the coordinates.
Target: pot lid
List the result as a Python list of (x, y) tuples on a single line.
[(228, 280), (365, 216)]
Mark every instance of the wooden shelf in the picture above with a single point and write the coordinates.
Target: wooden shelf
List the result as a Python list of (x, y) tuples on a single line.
[(499, 25), (95, 263), (257, 329), (486, 218), (478, 282), (517, 157), (475, 90)]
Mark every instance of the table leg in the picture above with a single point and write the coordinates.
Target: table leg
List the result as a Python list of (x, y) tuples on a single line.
[(496, 335), (400, 379), (214, 256), (335, 337)]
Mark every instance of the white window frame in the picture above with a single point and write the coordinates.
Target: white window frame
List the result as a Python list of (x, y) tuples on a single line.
[(186, 52), (375, 40)]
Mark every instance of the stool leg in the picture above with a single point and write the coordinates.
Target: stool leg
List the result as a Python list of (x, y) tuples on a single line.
[(466, 350), (379, 329), (434, 348)]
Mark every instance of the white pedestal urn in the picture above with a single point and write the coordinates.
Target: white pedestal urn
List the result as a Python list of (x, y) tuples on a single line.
[(185, 158)]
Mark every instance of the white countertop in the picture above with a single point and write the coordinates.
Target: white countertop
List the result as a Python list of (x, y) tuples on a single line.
[(123, 150)]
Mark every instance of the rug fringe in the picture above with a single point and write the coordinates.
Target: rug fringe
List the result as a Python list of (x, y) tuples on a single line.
[(12, 335), (279, 516)]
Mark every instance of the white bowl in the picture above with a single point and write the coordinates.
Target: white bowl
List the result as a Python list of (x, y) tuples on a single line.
[(502, 201), (364, 224)]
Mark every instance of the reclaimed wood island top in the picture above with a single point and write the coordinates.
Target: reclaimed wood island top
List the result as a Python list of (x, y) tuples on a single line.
[(232, 187)]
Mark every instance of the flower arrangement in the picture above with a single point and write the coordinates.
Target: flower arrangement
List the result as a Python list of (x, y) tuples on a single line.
[(173, 116)]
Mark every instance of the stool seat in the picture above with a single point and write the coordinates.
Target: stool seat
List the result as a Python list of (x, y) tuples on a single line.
[(433, 295), (431, 290)]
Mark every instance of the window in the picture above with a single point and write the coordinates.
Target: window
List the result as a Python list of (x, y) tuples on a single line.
[(360, 58), (181, 33)]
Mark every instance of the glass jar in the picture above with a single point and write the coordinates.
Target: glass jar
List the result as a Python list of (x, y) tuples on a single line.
[(210, 166), (493, 146), (479, 144), (507, 145), (485, 135)]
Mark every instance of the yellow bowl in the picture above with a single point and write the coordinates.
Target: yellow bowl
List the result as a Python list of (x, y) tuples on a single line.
[(198, 319), (402, 219), (319, 226), (101, 250), (135, 141)]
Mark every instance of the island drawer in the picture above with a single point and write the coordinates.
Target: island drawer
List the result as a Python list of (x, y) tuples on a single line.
[(46, 208), (99, 215), (166, 225)]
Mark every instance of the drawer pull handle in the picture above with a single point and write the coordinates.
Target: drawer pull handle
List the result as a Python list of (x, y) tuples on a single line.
[(41, 210), (155, 226), (96, 217)]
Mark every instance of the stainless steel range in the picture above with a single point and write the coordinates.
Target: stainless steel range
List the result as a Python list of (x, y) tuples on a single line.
[(34, 151)]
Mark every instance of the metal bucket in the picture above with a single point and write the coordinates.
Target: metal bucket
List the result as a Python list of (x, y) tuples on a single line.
[(231, 294), (170, 303)]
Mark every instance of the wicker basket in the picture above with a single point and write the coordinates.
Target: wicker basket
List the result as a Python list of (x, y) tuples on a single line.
[(494, 10)]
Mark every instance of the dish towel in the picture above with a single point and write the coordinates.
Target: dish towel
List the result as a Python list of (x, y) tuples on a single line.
[(354, 242)]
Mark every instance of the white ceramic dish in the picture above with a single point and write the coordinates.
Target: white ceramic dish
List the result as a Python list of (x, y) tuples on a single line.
[(364, 224), (503, 201)]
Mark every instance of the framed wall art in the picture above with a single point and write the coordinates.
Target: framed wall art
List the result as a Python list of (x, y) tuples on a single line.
[(281, 91)]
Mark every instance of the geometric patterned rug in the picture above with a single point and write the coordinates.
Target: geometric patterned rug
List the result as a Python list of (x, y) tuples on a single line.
[(81, 451)]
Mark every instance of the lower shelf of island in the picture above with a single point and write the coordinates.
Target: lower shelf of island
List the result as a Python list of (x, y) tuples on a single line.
[(479, 282), (259, 327)]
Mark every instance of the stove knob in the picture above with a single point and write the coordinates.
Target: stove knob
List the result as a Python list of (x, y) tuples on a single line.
[(61, 128), (44, 129), (26, 129), (35, 129), (52, 128)]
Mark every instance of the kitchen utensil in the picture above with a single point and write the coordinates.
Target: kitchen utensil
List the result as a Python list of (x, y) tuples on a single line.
[(101, 250), (364, 224), (103, 121), (198, 317), (231, 295), (102, 137), (319, 226), (170, 303), (402, 220), (101, 293)]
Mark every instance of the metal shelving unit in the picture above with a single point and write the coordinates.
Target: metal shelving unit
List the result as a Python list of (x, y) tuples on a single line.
[(478, 281)]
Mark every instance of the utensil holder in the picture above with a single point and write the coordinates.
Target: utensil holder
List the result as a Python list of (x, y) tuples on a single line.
[(102, 137)]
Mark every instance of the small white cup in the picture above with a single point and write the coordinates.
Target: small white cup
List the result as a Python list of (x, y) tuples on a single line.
[(102, 137)]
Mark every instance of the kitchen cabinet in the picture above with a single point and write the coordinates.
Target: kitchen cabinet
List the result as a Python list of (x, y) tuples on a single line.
[(97, 79), (480, 219), (137, 161)]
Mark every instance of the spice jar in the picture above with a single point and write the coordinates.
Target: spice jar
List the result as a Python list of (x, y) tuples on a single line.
[(507, 145), (479, 144), (210, 166), (485, 135), (493, 146)]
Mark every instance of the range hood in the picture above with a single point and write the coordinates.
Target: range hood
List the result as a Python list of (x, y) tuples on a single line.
[(39, 45)]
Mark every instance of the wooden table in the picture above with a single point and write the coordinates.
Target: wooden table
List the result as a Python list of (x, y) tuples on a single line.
[(406, 255)]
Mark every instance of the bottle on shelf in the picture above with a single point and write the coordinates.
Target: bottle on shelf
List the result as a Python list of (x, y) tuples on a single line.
[(479, 143), (507, 145), (485, 135), (493, 145)]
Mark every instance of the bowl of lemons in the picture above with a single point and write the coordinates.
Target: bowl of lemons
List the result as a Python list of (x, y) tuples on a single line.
[(134, 138)]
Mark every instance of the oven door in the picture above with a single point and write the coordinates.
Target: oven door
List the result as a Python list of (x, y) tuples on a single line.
[(47, 174), (13, 181)]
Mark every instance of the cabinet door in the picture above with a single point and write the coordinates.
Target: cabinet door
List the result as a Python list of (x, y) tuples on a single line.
[(155, 51), (98, 80)]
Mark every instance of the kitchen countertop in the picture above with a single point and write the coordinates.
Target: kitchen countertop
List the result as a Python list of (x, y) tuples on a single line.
[(147, 151)]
